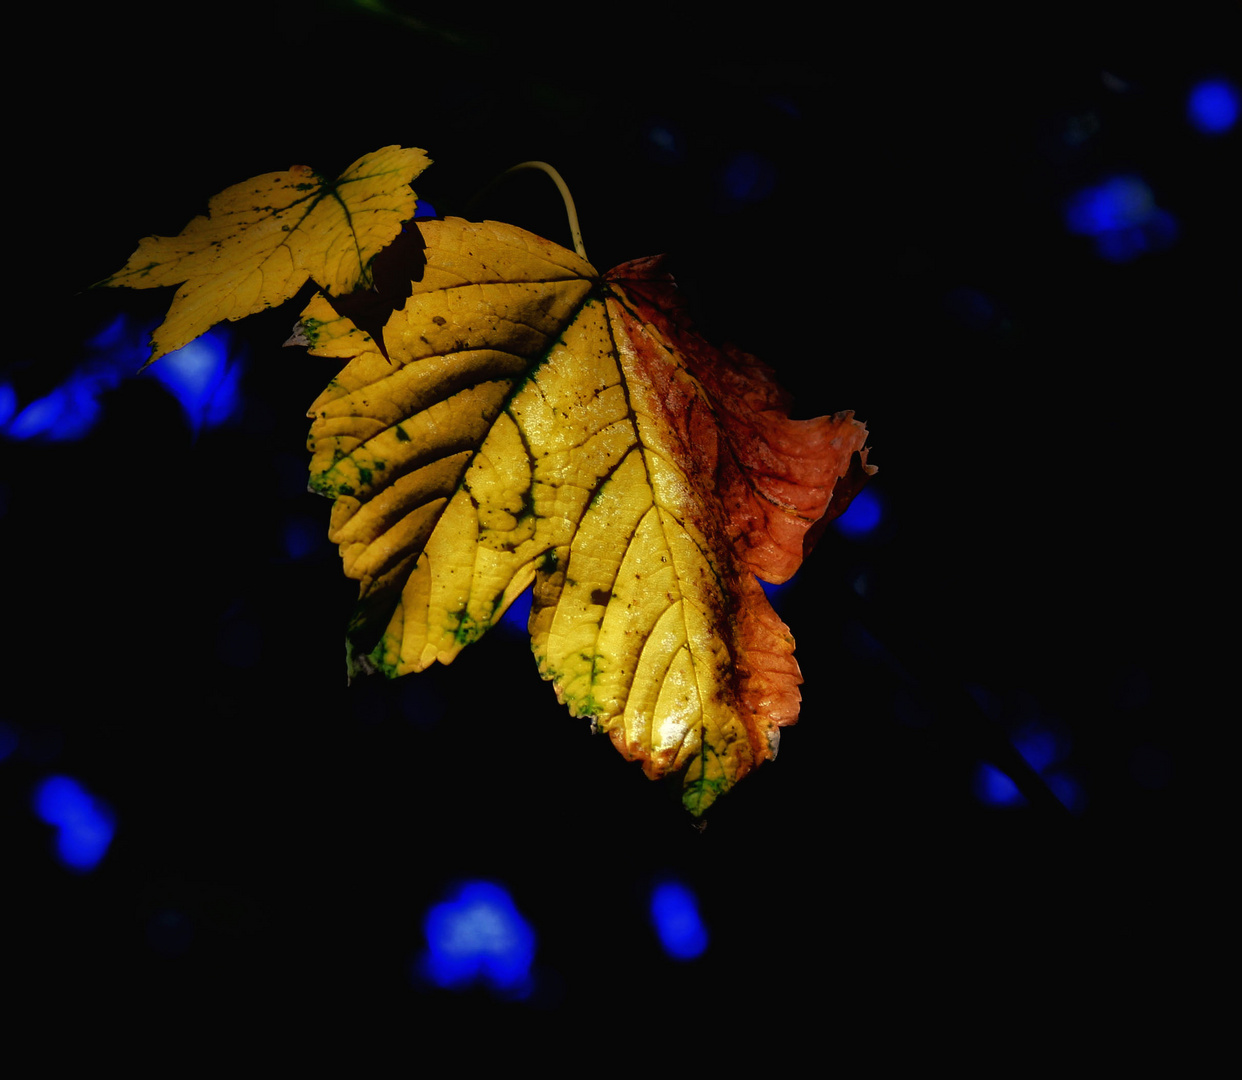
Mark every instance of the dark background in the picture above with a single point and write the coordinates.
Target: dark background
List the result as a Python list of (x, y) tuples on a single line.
[(892, 241)]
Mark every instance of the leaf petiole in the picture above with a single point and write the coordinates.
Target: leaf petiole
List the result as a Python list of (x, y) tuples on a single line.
[(570, 210)]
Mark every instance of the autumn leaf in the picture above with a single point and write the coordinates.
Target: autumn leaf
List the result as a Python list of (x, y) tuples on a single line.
[(524, 420), (261, 240), (536, 422)]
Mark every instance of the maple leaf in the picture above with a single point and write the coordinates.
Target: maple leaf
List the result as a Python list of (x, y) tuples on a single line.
[(261, 240), (532, 421), (524, 420)]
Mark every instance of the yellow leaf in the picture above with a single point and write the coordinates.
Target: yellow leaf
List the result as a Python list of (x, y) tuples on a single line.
[(535, 421), (261, 240)]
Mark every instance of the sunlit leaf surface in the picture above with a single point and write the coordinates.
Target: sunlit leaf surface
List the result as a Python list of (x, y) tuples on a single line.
[(261, 240), (526, 421), (534, 421)]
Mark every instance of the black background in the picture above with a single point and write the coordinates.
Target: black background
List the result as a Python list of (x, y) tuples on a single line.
[(1046, 538)]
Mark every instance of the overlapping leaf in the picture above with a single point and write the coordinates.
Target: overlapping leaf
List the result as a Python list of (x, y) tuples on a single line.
[(534, 421), (529, 420), (261, 240)]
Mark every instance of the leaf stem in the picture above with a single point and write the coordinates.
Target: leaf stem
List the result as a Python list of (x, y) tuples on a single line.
[(561, 186)]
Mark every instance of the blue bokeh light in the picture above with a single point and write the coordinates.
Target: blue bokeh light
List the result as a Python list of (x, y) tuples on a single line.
[(85, 824), (1068, 790), (10, 740), (302, 537), (68, 412), (72, 409), (1116, 203), (994, 788), (664, 142), (8, 404), (1042, 745), (972, 308), (748, 178), (777, 593), (1120, 214), (201, 376), (862, 516), (516, 619), (1213, 106), (1038, 745), (675, 915), (479, 936)]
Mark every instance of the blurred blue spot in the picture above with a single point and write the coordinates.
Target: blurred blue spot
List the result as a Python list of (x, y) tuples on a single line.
[(8, 404), (200, 376), (1042, 745), (60, 799), (1068, 790), (777, 594), (664, 143), (1121, 215), (1123, 245), (1038, 746), (675, 915), (661, 137), (72, 409), (476, 936), (85, 825), (113, 336), (68, 412), (972, 307), (1113, 204), (424, 209), (994, 788), (10, 739), (861, 516), (301, 537), (748, 178), (516, 619), (1213, 106)]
